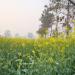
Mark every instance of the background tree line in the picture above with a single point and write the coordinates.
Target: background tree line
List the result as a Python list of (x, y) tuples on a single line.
[(50, 15)]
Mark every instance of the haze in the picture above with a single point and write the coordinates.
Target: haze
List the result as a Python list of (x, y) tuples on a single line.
[(20, 16)]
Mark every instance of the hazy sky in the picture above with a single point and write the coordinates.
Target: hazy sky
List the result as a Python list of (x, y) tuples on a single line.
[(20, 16)]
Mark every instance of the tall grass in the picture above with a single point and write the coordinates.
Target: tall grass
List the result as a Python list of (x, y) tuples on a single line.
[(52, 56)]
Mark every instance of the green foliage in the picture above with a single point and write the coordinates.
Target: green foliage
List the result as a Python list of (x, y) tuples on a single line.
[(43, 32), (47, 19), (52, 56)]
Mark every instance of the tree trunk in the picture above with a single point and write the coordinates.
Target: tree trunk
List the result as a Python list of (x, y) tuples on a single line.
[(67, 31), (51, 31)]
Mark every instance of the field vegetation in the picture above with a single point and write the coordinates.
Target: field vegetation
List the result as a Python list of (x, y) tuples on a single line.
[(52, 56)]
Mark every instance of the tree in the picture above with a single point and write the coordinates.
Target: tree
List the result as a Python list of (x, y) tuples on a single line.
[(56, 5), (72, 1), (50, 15), (46, 19), (7, 33), (17, 35), (30, 35), (42, 31)]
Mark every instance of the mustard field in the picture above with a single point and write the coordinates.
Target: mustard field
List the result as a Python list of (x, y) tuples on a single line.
[(52, 56)]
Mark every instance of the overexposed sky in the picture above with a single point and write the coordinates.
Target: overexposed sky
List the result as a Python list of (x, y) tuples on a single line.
[(20, 16)]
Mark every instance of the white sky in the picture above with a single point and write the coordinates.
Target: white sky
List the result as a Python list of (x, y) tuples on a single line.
[(20, 16)]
